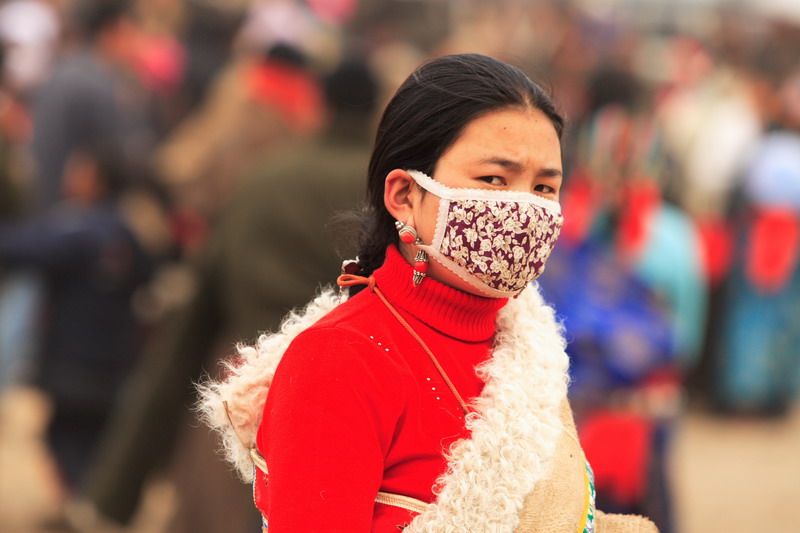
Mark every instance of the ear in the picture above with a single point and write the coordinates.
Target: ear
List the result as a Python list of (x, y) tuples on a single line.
[(400, 195)]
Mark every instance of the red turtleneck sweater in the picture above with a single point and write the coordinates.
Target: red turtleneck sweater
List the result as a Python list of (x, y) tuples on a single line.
[(357, 407)]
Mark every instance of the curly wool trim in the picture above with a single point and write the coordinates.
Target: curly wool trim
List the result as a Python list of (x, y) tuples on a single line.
[(514, 429), (247, 379)]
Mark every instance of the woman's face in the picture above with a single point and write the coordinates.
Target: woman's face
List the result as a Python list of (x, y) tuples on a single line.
[(505, 150)]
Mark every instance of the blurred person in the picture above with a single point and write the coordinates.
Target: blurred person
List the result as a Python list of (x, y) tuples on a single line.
[(264, 102), (755, 359), (159, 62), (636, 315), (91, 265), (269, 250), (90, 96), (431, 400), (710, 125), (19, 291), (208, 35), (621, 184)]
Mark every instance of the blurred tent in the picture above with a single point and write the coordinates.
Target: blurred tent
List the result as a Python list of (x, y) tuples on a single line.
[(697, 14), (787, 11)]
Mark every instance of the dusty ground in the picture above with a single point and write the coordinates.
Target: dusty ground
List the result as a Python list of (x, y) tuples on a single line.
[(731, 476), (738, 476)]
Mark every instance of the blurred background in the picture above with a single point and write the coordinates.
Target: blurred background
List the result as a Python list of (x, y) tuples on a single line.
[(170, 177)]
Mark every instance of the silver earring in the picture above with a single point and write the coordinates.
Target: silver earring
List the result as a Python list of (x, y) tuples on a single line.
[(409, 236)]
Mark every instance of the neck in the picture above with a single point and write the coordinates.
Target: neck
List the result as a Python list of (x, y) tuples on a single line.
[(448, 310)]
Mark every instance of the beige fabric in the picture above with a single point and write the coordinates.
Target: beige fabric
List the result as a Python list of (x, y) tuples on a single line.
[(562, 497), (558, 504), (617, 523)]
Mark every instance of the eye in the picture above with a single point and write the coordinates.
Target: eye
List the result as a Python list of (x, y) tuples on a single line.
[(493, 180), (545, 190)]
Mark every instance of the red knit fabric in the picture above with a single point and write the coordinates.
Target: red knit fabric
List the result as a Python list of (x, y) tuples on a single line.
[(356, 406)]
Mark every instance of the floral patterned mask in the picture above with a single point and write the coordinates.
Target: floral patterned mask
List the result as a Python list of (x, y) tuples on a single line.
[(497, 241)]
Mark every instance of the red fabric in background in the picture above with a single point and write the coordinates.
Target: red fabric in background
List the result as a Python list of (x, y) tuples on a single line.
[(292, 92), (160, 62), (716, 248), (617, 447), (579, 208), (642, 198), (772, 249)]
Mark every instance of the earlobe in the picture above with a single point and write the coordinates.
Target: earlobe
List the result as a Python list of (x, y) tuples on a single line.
[(398, 195)]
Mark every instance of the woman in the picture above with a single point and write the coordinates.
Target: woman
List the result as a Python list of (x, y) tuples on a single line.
[(376, 418)]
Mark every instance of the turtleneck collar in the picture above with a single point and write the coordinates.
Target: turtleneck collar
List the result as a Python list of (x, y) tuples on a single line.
[(455, 313)]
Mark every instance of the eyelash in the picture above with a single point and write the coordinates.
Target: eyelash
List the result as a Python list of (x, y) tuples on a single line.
[(489, 179), (538, 188)]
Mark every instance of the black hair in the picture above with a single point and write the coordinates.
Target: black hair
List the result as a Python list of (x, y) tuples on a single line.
[(287, 54), (609, 85), (92, 17), (425, 117), (351, 89)]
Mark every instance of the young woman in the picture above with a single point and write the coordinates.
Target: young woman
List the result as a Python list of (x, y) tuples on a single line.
[(435, 398)]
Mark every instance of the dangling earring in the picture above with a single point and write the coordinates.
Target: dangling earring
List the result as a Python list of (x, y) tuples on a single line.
[(409, 236), (420, 266), (407, 233)]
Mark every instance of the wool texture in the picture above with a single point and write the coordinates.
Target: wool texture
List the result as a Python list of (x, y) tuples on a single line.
[(233, 406), (514, 429)]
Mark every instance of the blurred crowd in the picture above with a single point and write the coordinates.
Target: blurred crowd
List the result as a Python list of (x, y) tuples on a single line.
[(173, 175)]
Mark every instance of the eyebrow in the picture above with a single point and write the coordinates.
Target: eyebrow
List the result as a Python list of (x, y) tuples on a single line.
[(516, 166), (503, 162), (551, 173)]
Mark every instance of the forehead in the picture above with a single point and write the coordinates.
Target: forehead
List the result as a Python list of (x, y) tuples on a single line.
[(523, 134)]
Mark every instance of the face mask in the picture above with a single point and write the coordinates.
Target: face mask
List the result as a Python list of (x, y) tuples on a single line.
[(497, 241)]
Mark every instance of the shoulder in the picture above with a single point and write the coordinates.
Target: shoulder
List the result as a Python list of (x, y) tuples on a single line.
[(347, 331), (336, 370), (354, 315), (342, 345)]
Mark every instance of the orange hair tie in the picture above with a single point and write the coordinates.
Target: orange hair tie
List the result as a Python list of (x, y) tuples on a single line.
[(348, 280)]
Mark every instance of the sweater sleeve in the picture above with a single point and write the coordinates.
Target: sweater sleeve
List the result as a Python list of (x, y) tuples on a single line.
[(330, 414)]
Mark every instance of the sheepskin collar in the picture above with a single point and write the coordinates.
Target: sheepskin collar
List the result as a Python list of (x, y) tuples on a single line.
[(514, 427)]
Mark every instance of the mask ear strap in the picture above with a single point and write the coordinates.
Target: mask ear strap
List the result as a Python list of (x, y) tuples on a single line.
[(441, 223), (428, 183)]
